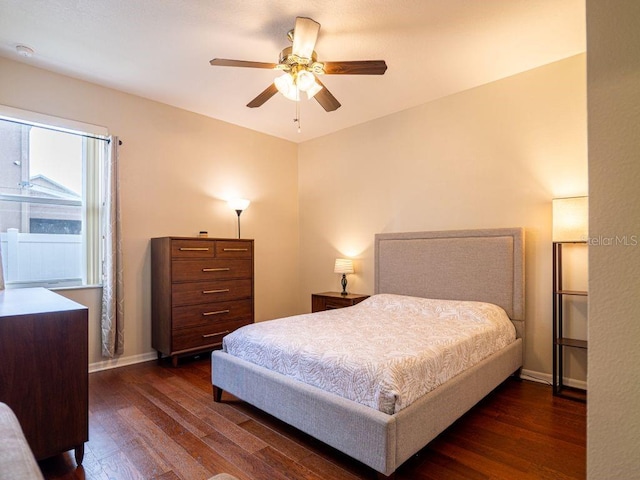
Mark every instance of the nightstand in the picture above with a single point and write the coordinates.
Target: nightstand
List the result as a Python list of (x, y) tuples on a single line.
[(330, 300)]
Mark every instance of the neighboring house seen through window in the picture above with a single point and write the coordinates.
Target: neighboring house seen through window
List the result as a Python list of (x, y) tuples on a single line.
[(49, 205)]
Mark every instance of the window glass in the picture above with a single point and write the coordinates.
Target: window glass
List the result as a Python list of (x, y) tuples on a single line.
[(45, 184)]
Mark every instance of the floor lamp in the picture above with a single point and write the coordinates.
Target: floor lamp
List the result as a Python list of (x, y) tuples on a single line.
[(239, 205)]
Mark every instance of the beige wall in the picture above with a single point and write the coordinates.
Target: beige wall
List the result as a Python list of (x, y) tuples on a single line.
[(493, 156), (176, 169), (613, 423)]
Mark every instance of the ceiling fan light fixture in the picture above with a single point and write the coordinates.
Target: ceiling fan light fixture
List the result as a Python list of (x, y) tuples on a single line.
[(287, 87), (313, 89), (302, 71), (305, 80)]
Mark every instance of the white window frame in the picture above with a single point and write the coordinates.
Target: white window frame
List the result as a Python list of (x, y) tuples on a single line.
[(92, 261)]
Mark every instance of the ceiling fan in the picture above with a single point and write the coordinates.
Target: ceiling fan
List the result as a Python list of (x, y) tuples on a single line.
[(301, 68)]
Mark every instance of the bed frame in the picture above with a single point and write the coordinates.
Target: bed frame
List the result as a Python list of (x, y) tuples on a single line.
[(482, 265)]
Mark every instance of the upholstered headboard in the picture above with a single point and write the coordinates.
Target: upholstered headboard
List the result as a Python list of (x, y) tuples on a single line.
[(481, 265)]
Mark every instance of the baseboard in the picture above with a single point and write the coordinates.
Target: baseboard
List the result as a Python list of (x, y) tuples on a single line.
[(548, 379), (121, 361), (534, 376)]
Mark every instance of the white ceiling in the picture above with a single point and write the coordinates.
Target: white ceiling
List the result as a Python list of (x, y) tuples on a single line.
[(160, 49)]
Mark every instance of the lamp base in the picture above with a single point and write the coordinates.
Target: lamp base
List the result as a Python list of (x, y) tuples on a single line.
[(344, 285), (238, 212)]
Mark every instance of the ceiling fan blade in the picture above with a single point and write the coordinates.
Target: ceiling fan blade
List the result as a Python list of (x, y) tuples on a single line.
[(305, 35), (326, 98), (268, 92), (358, 67), (223, 62)]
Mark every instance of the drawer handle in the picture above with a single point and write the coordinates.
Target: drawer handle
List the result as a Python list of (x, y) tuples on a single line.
[(223, 290), (208, 335), (225, 269), (219, 312), (194, 249), (235, 249)]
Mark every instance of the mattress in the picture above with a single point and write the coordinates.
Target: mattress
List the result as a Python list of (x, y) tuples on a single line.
[(384, 352)]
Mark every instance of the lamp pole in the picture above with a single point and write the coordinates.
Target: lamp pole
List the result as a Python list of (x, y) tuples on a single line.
[(239, 205), (238, 212)]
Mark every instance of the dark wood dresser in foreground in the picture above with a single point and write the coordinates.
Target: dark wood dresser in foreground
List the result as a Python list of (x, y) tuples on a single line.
[(44, 367), (201, 290)]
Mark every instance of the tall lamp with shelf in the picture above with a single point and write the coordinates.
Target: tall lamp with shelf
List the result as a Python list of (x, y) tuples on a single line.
[(570, 226)]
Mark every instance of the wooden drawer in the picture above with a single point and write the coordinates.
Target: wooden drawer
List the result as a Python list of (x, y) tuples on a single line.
[(332, 300), (231, 249), (192, 248), (213, 269), (205, 292), (211, 313), (331, 303), (205, 335)]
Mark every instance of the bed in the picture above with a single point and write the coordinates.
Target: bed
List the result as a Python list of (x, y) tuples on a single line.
[(467, 265)]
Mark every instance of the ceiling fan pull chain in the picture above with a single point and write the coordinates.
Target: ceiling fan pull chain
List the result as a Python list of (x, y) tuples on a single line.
[(297, 119)]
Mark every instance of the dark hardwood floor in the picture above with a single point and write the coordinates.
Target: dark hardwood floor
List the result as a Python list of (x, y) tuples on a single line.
[(158, 422)]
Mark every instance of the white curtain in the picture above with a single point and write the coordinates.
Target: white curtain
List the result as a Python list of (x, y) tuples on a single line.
[(112, 320)]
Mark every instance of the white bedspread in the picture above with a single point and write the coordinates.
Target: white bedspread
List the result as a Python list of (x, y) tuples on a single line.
[(385, 352)]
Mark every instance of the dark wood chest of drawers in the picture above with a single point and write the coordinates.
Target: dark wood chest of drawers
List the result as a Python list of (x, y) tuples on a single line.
[(201, 290), (44, 369)]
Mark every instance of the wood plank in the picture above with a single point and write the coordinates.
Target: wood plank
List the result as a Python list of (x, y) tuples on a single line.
[(282, 463), (483, 463), (180, 431), (118, 465), (219, 423), (170, 451), (442, 466), (147, 461), (276, 438), (252, 466)]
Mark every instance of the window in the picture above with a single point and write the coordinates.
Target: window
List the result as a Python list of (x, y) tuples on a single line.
[(50, 199)]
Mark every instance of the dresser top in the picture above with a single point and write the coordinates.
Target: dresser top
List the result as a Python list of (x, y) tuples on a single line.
[(27, 301), (206, 238)]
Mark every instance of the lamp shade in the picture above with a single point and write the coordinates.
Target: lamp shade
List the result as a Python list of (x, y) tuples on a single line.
[(287, 87), (570, 219), (313, 89), (305, 80), (238, 204), (343, 265)]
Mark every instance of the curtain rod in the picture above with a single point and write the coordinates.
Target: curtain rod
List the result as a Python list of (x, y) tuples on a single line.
[(70, 132)]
